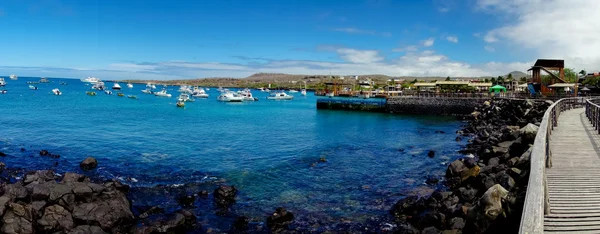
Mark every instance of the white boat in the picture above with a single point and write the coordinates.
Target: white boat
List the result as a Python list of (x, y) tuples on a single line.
[(162, 93), (230, 97), (98, 85), (2, 82), (199, 92), (13, 77), (220, 89), (90, 79), (185, 98), (147, 91), (44, 80), (247, 95), (150, 86), (267, 90), (261, 89), (185, 89), (56, 92), (303, 92), (207, 89), (293, 91), (32, 87), (280, 96), (129, 85), (108, 92), (3, 91), (116, 86)]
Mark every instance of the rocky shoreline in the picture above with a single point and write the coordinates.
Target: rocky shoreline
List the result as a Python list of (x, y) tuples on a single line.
[(486, 189)]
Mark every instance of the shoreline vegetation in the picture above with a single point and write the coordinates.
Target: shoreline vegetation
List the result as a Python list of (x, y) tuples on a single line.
[(483, 192)]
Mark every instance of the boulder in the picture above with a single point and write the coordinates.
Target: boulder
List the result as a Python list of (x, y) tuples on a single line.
[(431, 154), (491, 201), (472, 172), (3, 204), (74, 177), (2, 154), (87, 229), (455, 168), (88, 164), (493, 162), (17, 220), (15, 191), (39, 177), (240, 225), (456, 223), (469, 162), (186, 200), (406, 228), (430, 230), (467, 194), (56, 218), (432, 180), (525, 157), (225, 195), (107, 213), (528, 133), (408, 206), (279, 220), (44, 153)]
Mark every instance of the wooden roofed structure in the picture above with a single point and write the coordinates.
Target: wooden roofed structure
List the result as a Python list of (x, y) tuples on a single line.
[(548, 65)]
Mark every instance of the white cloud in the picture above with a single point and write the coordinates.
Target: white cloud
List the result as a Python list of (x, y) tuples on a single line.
[(477, 34), (443, 9), (489, 48), (549, 28), (352, 30), (359, 56), (429, 42), (410, 48), (452, 39)]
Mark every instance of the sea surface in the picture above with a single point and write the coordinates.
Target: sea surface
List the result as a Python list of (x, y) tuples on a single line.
[(270, 150)]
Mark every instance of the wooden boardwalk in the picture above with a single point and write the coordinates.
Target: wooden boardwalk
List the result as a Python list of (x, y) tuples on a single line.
[(574, 178)]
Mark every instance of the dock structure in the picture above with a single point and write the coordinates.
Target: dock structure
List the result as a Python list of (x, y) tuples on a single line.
[(563, 195)]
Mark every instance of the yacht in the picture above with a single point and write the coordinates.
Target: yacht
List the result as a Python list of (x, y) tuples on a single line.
[(108, 92), (129, 85), (184, 89), (280, 96), (2, 82), (150, 86), (147, 91), (13, 77), (56, 92), (44, 80), (230, 97), (116, 86), (32, 87), (199, 92), (293, 91), (162, 93), (185, 97), (303, 92), (90, 80), (220, 89), (261, 89), (98, 85), (247, 95)]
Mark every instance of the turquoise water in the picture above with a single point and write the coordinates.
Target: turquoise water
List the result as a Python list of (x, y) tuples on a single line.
[(267, 149)]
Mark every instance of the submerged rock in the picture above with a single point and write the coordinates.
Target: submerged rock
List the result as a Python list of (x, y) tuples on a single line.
[(280, 220), (431, 154), (2, 154), (89, 163), (225, 195)]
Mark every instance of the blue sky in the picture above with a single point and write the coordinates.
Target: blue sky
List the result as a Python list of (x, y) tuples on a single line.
[(160, 39)]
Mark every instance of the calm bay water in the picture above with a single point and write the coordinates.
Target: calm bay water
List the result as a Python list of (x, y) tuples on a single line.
[(265, 148)]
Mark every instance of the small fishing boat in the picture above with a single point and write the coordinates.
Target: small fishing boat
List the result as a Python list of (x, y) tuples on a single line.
[(147, 91), (220, 89), (132, 96), (150, 86), (90, 93), (230, 97), (98, 85), (261, 89), (185, 97), (303, 92), (120, 94), (116, 86), (56, 92), (207, 89), (108, 92), (180, 104), (162, 93), (184, 89), (129, 85), (3, 91), (2, 82), (32, 87), (63, 83), (292, 91), (267, 90), (199, 93), (280, 96), (13, 77), (44, 80), (30, 82)]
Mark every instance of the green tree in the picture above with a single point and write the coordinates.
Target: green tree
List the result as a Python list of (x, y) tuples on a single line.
[(523, 79), (493, 80), (486, 80), (509, 77), (570, 75), (414, 81), (447, 78)]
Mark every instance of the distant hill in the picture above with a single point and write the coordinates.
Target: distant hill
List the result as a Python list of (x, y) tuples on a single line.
[(517, 74)]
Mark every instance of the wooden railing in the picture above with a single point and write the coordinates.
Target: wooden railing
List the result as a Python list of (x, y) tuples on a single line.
[(592, 112), (536, 201)]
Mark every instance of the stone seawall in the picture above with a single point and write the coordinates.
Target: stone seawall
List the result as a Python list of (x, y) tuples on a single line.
[(432, 105), (353, 104)]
